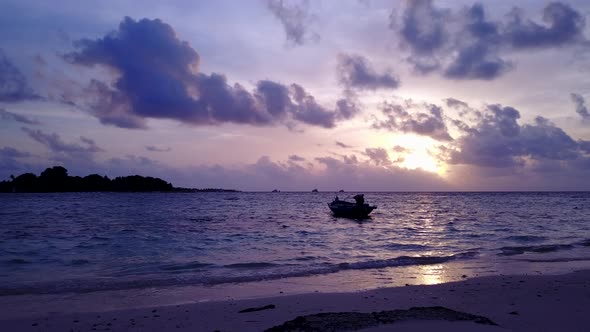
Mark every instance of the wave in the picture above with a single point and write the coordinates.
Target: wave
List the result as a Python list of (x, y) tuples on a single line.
[(402, 246), (401, 261), (512, 251), (280, 272), (17, 261), (526, 238), (184, 266), (255, 265), (78, 262), (557, 260)]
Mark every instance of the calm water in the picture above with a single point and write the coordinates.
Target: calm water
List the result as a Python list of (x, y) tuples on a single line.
[(52, 243)]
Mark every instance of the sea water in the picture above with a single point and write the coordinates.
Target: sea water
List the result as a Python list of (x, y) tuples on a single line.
[(86, 242)]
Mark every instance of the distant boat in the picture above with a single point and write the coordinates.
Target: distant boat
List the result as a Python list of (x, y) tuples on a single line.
[(341, 191), (276, 191), (360, 209), (314, 191)]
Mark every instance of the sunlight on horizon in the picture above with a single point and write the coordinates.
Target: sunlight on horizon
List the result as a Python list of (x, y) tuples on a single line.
[(418, 154)]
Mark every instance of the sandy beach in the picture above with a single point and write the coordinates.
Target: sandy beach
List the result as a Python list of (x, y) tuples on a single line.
[(498, 303)]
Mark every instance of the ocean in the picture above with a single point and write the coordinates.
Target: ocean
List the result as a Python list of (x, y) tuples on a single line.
[(62, 243)]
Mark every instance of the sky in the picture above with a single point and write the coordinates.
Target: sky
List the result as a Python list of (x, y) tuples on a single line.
[(256, 95)]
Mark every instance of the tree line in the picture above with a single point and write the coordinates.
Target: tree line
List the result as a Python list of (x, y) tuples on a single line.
[(56, 179)]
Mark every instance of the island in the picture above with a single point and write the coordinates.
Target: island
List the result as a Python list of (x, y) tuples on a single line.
[(56, 179)]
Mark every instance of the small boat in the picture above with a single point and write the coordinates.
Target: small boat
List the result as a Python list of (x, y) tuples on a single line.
[(360, 209)]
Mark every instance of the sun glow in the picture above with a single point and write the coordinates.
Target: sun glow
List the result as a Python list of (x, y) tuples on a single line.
[(419, 153), (423, 160)]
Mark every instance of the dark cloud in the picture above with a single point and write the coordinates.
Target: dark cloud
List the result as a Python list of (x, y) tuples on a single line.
[(295, 18), (564, 25), (423, 26), (378, 155), (581, 107), (476, 48), (498, 140), (8, 152), (476, 61), (346, 108), (461, 125), (350, 160), (153, 148), (426, 121), (585, 146), (307, 110), (399, 149), (424, 31), (55, 143), (467, 45), (157, 77), (296, 158), (13, 84), (5, 115), (354, 72), (342, 145), (455, 103), (10, 163), (477, 25)]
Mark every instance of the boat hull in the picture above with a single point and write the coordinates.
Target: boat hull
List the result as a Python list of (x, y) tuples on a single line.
[(350, 210)]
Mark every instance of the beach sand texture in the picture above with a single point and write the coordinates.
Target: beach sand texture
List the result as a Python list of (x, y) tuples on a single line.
[(514, 303)]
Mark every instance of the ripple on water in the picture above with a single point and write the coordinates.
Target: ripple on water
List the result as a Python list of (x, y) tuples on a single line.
[(526, 238)]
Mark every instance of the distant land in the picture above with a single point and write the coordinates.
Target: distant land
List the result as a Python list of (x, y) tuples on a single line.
[(56, 179)]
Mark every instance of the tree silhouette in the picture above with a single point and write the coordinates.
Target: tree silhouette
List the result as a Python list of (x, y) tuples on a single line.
[(56, 179)]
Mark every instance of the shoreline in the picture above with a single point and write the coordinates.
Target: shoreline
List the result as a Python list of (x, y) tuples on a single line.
[(516, 302), (346, 281)]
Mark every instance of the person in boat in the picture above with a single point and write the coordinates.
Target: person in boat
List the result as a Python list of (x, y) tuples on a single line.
[(360, 199)]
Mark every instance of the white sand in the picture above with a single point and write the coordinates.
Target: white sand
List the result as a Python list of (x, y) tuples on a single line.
[(515, 303)]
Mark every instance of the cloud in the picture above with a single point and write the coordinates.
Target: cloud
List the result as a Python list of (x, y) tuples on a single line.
[(399, 149), (13, 84), (296, 158), (153, 148), (423, 27), (585, 146), (581, 107), (308, 110), (54, 143), (10, 163), (342, 145), (157, 77), (5, 115), (427, 121), (475, 48), (295, 18), (327, 174), (564, 26), (476, 62), (77, 157), (8, 152), (456, 103), (467, 45), (499, 141), (378, 155), (354, 72)]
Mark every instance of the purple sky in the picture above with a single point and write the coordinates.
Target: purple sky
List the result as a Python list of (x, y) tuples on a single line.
[(295, 95)]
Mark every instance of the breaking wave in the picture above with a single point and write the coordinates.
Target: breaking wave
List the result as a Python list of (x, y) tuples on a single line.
[(273, 272)]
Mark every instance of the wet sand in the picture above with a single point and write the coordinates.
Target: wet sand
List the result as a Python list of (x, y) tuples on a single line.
[(510, 303)]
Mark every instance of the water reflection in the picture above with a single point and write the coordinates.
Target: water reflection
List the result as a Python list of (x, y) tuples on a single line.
[(432, 274)]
